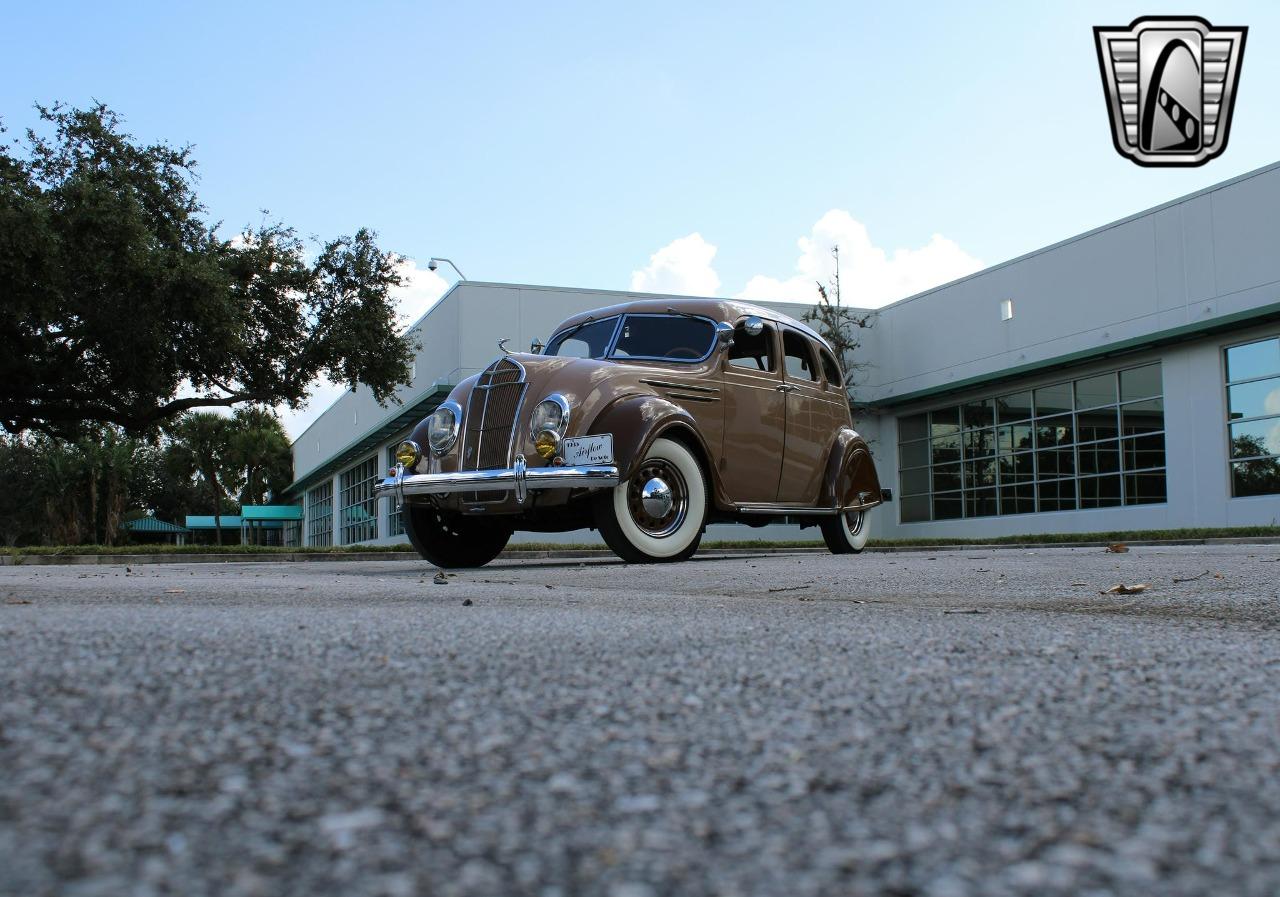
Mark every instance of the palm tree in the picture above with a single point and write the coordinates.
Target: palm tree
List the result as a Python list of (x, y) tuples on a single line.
[(201, 443), (261, 453)]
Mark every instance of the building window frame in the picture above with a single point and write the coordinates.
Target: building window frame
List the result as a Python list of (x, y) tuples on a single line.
[(358, 508), (1260, 457), (1038, 448), (319, 514)]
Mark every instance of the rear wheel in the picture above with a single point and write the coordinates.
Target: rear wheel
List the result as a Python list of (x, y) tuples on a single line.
[(452, 540), (657, 514), (847, 533)]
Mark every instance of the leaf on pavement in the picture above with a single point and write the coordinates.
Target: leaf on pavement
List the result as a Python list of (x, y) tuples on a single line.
[(1117, 548), (1122, 589)]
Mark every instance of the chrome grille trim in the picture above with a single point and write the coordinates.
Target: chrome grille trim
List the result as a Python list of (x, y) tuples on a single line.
[(492, 411)]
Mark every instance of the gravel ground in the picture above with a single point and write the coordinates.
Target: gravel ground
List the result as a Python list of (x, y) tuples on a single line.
[(907, 724)]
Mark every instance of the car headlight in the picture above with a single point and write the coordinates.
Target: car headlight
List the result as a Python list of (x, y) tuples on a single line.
[(408, 454), (548, 424), (442, 427)]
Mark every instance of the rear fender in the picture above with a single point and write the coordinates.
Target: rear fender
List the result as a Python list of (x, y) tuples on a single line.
[(851, 480)]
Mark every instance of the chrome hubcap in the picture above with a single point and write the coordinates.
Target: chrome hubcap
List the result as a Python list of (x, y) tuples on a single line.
[(657, 498)]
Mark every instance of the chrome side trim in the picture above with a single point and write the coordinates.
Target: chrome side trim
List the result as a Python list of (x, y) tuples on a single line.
[(802, 512), (499, 480), (672, 384)]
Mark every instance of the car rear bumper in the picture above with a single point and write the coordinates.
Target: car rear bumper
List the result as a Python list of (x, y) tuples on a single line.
[(519, 478)]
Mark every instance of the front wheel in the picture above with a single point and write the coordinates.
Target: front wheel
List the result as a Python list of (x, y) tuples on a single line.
[(658, 513), (846, 534), (452, 540)]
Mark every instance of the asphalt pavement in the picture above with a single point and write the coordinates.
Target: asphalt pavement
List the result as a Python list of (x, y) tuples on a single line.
[(959, 723)]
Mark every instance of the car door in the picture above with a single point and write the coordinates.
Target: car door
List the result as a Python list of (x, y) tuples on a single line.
[(808, 421), (754, 416)]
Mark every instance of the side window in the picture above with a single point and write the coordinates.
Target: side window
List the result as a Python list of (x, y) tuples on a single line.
[(798, 355), (830, 368), (754, 353)]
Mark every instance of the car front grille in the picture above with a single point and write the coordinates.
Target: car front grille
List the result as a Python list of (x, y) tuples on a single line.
[(491, 416)]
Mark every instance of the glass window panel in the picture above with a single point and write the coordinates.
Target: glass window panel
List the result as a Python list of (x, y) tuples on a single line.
[(980, 503), (948, 506), (1099, 492), (1015, 438), (914, 454), (1099, 457), (980, 473), (797, 353), (1100, 423), (915, 508), (1017, 499), (830, 369), (915, 426), (914, 482), (945, 421), (1261, 359), (979, 413), (1258, 477), (1144, 488), (1057, 496), (1254, 399), (1056, 463), (679, 338), (1140, 383), (1053, 399), (1013, 407), (1257, 437), (1055, 431), (1142, 417), (1017, 468), (1143, 451), (587, 341), (979, 443), (1094, 391), (753, 353), (946, 476), (946, 449)]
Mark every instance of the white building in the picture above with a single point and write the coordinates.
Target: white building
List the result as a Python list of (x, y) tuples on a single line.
[(1127, 378)]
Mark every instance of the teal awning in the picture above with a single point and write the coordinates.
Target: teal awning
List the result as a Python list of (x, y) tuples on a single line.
[(153, 525), (271, 512)]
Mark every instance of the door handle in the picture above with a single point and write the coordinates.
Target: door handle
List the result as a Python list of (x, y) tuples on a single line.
[(784, 387)]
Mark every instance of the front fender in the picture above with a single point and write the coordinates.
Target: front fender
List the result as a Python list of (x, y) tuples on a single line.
[(635, 421), (851, 479)]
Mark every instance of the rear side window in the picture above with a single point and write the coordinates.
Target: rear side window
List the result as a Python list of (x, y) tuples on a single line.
[(753, 353), (799, 356), (829, 367), (665, 337), (587, 341)]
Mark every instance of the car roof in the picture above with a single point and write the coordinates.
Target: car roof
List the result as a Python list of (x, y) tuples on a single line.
[(727, 310)]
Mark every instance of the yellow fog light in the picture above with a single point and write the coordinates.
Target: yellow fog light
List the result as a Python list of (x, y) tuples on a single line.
[(408, 453), (547, 443)]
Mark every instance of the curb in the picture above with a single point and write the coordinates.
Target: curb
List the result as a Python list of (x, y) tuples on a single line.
[(47, 560)]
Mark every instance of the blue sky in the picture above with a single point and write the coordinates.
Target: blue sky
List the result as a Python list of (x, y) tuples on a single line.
[(568, 143)]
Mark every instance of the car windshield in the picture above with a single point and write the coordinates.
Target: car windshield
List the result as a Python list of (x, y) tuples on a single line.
[(666, 337), (584, 340)]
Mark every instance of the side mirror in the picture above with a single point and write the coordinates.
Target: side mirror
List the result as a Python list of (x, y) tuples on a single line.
[(536, 346), (753, 326), (724, 335)]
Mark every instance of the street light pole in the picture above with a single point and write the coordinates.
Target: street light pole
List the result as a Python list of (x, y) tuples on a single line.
[(434, 262)]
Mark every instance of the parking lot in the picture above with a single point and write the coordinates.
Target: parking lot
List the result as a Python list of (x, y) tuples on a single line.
[(942, 724)]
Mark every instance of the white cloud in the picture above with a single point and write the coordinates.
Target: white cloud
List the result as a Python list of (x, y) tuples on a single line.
[(683, 267), (870, 277), (420, 292)]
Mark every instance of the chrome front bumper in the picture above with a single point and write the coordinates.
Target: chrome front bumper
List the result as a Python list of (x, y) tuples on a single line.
[(519, 478)]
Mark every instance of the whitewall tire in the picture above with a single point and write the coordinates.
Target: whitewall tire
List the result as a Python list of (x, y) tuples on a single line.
[(659, 512), (846, 534)]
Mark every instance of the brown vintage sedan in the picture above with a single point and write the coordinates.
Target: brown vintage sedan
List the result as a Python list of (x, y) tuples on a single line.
[(647, 421)]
